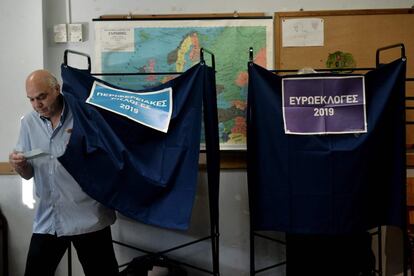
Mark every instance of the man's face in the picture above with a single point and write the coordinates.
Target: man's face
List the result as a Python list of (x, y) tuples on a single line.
[(44, 98)]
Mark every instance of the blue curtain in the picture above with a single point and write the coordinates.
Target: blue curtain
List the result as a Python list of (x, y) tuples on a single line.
[(145, 174), (327, 184)]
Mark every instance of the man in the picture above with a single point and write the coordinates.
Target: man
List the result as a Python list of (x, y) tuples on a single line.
[(64, 213)]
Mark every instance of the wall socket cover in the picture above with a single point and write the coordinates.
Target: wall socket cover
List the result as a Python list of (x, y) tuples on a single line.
[(75, 32), (60, 33)]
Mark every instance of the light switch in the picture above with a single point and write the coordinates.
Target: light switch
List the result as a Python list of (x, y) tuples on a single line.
[(75, 33), (60, 34)]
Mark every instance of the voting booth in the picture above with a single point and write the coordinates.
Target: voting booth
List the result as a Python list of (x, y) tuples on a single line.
[(137, 151), (331, 164)]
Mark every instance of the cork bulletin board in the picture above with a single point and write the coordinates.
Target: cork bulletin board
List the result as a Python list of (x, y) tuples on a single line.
[(352, 36), (358, 32)]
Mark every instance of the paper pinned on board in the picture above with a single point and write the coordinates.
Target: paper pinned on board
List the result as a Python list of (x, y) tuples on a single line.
[(302, 32)]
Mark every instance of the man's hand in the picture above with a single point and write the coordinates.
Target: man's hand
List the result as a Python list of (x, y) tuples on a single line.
[(20, 165)]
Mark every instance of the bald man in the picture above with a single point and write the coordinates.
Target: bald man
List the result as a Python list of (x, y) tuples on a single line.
[(64, 213)]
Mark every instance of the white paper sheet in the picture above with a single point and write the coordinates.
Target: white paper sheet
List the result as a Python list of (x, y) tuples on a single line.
[(302, 32)]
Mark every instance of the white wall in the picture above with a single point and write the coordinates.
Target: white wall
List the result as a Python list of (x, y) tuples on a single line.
[(21, 51), (26, 44)]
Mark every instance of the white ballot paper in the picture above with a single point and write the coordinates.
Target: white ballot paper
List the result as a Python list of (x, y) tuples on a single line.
[(36, 153)]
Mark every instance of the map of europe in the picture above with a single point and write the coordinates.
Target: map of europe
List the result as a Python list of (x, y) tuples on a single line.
[(177, 48)]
